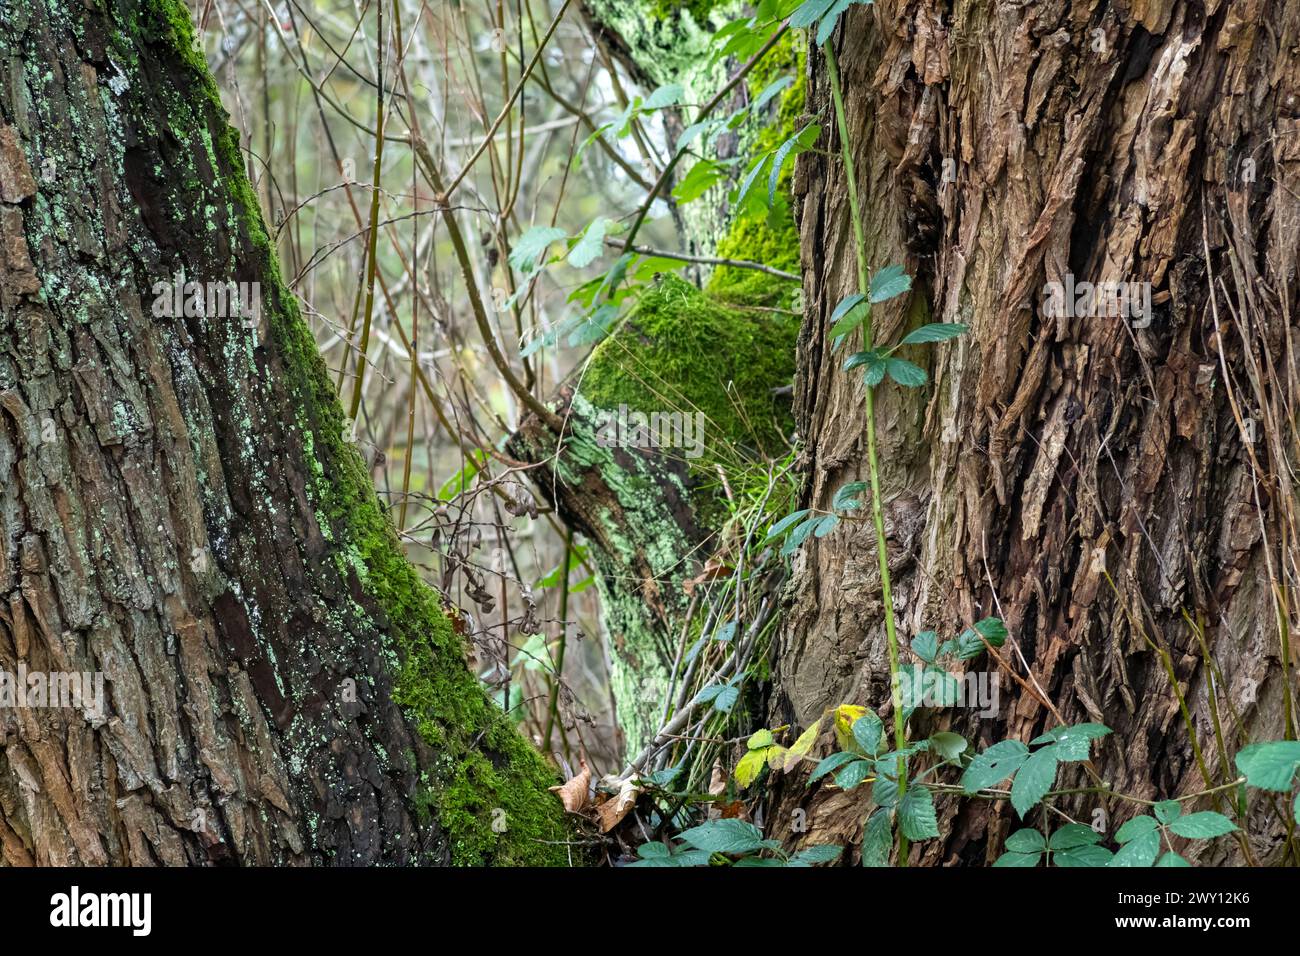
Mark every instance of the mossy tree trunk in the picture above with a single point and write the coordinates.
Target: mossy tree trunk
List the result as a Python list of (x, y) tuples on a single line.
[(181, 511), (1001, 147), (718, 355)]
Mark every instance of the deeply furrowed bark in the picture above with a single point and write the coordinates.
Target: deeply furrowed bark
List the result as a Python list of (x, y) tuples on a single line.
[(181, 510), (1002, 147)]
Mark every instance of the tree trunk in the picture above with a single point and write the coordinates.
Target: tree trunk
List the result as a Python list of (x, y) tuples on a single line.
[(181, 511), (1002, 147)]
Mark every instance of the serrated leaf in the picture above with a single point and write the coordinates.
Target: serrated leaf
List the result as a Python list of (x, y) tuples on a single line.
[(529, 247), (1089, 856), (916, 817), (829, 764), (994, 765), (993, 630), (1172, 859), (848, 315), (825, 525), (1139, 851), (750, 766), (1033, 780), (809, 12), (877, 840), (1073, 835), (589, 247), (1017, 859), (852, 774), (846, 498), (726, 699), (1138, 826), (701, 177), (1027, 840), (828, 23), (760, 740), (784, 524), (934, 332), (867, 731), (770, 91), (1271, 765), (822, 853), (796, 537), (906, 373), (926, 646), (1168, 810), (875, 374), (778, 161), (889, 282), (1204, 825), (724, 836)]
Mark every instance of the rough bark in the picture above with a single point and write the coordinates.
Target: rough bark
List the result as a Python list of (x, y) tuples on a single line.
[(1107, 142), (180, 510)]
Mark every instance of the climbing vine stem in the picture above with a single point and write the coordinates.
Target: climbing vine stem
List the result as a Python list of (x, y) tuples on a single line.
[(860, 249)]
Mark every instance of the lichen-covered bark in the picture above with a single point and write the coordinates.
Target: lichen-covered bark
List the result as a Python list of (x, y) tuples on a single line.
[(1106, 142), (181, 511), (649, 513), (652, 514)]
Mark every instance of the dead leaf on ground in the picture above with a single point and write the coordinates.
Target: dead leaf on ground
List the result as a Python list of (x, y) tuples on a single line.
[(576, 793), (613, 810)]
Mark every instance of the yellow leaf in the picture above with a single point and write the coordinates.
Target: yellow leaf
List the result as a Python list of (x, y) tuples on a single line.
[(845, 716), (799, 749), (778, 757), (750, 765)]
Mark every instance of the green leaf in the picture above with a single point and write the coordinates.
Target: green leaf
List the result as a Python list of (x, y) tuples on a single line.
[(1203, 825), (934, 332), (1172, 859), (784, 524), (1033, 780), (994, 765), (875, 373), (1073, 835), (702, 177), (770, 91), (905, 373), (648, 851), (822, 853), (848, 315), (926, 646), (724, 836), (846, 499), (889, 282), (666, 95), (1083, 856), (778, 161), (1296, 808), (1139, 851), (1138, 826), (993, 630), (748, 182), (1018, 859), (796, 537), (589, 247), (877, 840), (1168, 810), (1026, 841), (810, 12), (948, 745), (1270, 766), (916, 818), (857, 359), (825, 525), (726, 699), (532, 244), (760, 741), (852, 774), (867, 731), (828, 764)]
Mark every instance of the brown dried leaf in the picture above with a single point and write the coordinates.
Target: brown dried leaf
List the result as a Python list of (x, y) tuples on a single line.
[(576, 793)]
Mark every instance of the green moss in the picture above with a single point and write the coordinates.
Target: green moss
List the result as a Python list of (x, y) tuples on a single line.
[(683, 350), (488, 789), (772, 238)]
